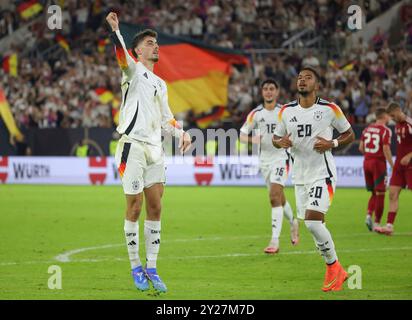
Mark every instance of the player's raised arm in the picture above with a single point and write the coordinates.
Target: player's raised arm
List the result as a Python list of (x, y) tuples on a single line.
[(125, 61), (169, 123)]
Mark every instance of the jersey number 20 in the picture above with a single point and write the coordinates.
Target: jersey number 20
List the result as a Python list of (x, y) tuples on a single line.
[(304, 130)]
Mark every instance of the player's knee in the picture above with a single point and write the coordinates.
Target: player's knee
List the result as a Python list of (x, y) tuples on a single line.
[(393, 195), (154, 209), (276, 198), (134, 209)]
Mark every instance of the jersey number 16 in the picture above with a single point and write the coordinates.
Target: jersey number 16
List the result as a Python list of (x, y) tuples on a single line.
[(271, 127)]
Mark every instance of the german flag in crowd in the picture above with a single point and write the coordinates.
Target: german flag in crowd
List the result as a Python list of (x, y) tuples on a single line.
[(97, 7), (101, 45), (63, 42), (197, 75), (28, 9), (106, 96), (345, 67), (115, 110), (10, 64), (216, 113), (7, 116)]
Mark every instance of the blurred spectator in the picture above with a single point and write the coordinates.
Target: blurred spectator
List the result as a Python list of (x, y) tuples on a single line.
[(311, 60), (378, 39), (58, 91)]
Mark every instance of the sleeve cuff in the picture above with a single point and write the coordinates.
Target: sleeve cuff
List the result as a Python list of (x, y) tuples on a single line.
[(343, 131)]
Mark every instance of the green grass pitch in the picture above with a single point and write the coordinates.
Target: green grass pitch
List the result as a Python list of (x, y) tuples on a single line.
[(212, 246)]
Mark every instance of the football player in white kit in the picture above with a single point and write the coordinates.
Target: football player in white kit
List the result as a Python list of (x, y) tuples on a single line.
[(139, 156), (306, 126), (273, 163)]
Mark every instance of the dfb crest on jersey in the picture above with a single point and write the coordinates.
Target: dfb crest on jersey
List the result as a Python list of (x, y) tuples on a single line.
[(135, 185), (317, 115)]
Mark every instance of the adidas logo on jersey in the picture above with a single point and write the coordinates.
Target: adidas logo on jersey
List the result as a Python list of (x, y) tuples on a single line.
[(315, 203), (145, 75), (293, 119)]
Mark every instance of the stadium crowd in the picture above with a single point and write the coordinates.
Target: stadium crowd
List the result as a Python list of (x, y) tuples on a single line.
[(60, 92)]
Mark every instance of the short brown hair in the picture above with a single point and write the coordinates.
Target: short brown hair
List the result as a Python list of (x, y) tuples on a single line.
[(380, 112), (270, 81), (313, 70), (392, 107), (139, 37)]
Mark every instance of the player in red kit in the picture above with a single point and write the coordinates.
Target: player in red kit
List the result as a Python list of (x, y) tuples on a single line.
[(375, 145), (402, 171)]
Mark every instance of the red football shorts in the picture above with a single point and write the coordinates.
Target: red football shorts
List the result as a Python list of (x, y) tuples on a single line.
[(375, 174), (401, 176)]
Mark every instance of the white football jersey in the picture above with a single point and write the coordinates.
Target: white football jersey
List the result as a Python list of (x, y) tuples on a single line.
[(305, 124), (265, 121), (145, 108)]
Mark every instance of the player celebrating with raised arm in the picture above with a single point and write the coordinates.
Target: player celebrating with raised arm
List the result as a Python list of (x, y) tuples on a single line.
[(273, 162), (402, 170), (306, 126), (139, 156), (375, 144)]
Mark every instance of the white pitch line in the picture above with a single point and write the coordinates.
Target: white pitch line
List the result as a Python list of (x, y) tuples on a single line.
[(235, 255), (229, 255), (25, 262), (65, 256)]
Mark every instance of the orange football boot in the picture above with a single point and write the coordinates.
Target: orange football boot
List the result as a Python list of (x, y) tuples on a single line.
[(335, 277)]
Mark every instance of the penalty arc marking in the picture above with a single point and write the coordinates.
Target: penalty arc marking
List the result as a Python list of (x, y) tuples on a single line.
[(66, 256)]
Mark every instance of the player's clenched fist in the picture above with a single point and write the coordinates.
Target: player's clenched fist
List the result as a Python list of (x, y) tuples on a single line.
[(283, 142), (321, 145), (113, 21), (185, 142)]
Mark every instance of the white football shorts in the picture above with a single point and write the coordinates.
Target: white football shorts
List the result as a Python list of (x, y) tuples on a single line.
[(316, 196), (140, 165), (275, 172)]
